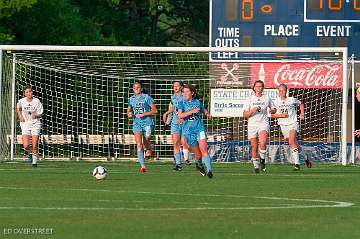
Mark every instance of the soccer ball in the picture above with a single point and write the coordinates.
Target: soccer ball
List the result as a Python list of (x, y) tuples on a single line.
[(100, 172)]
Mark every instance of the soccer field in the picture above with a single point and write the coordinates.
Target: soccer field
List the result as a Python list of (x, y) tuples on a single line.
[(322, 202)]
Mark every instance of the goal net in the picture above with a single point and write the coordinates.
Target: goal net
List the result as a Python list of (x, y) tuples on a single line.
[(85, 92)]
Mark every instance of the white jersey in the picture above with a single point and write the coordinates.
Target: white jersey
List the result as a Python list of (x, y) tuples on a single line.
[(29, 107), (288, 106), (261, 116)]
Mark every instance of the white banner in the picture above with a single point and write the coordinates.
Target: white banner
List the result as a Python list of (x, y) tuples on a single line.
[(230, 102)]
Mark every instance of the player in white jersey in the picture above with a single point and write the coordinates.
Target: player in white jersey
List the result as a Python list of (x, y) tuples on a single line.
[(29, 110), (287, 117), (256, 111)]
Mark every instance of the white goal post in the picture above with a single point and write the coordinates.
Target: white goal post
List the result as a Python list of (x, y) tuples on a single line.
[(23, 64)]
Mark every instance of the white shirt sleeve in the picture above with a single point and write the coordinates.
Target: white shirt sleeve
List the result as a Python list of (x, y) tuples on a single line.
[(39, 108), (271, 103)]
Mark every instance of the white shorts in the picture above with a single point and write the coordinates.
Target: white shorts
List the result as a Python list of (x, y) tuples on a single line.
[(285, 129), (30, 129), (253, 131)]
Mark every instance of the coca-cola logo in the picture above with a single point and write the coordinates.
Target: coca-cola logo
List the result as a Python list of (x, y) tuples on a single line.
[(301, 75)]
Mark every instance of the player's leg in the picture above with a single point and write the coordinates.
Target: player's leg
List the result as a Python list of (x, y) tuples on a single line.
[(254, 154), (191, 140), (147, 132), (26, 144), (140, 150), (294, 147), (252, 137), (185, 151), (26, 139), (35, 132), (177, 154), (35, 149), (205, 156), (262, 148)]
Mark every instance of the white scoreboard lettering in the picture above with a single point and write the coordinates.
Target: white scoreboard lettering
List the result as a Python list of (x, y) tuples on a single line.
[(281, 30)]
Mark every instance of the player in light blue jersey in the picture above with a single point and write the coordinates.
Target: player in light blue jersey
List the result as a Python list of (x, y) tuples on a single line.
[(141, 108), (193, 129), (175, 123)]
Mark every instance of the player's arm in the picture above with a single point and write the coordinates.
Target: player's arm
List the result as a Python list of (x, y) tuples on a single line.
[(19, 113), (153, 111), (170, 110), (129, 112), (183, 115), (248, 113), (38, 112), (272, 107), (278, 115), (302, 111), (207, 113)]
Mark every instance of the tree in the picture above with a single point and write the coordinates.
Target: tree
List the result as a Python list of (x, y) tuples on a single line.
[(8, 8)]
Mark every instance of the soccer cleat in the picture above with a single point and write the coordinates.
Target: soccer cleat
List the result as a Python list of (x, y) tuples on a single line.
[(142, 170), (177, 167), (34, 165), (201, 170), (262, 165), (188, 162), (210, 174), (256, 170), (296, 167), (308, 163)]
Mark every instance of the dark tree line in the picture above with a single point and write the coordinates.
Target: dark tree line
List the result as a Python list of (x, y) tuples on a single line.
[(105, 22)]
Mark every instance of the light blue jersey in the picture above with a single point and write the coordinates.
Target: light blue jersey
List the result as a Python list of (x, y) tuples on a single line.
[(175, 101), (193, 128), (141, 105)]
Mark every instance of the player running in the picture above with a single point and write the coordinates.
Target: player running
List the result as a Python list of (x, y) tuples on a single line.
[(141, 107), (287, 120), (29, 110), (256, 110), (176, 98), (193, 129)]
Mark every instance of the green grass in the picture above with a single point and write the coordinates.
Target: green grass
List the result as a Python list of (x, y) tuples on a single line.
[(167, 204)]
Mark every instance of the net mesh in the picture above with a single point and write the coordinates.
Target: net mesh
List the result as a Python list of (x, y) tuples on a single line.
[(85, 97)]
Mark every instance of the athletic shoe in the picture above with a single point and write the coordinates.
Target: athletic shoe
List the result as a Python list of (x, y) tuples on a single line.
[(262, 165), (308, 163), (296, 167), (188, 162), (34, 165), (142, 170), (177, 167), (210, 174), (256, 170), (201, 170)]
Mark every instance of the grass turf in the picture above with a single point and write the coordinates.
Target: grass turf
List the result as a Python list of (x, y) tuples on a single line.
[(167, 204)]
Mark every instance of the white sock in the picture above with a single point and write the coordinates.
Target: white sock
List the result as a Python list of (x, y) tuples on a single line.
[(256, 162), (186, 154), (295, 155), (34, 159), (262, 153)]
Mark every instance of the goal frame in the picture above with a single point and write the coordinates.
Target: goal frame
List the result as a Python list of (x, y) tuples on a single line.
[(342, 50)]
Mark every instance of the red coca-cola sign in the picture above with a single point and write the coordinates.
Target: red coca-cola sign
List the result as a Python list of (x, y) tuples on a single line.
[(298, 74)]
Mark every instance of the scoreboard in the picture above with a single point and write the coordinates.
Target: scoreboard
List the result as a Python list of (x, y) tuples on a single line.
[(284, 23)]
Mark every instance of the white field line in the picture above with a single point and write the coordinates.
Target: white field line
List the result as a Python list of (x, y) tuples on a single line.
[(329, 204)]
